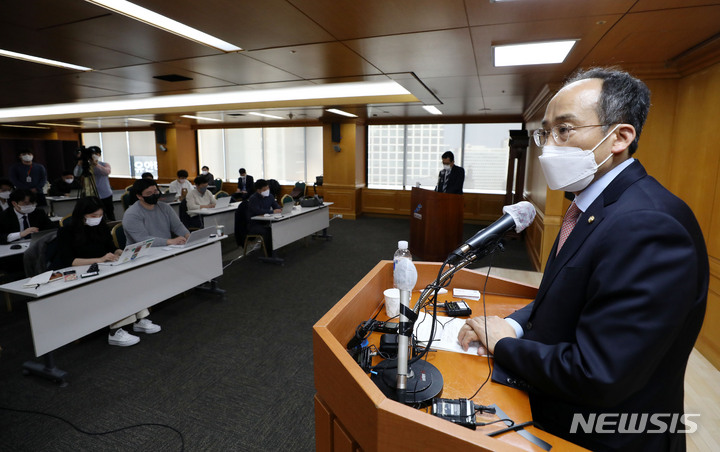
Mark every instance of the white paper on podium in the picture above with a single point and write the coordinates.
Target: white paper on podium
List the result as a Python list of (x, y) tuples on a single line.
[(446, 333)]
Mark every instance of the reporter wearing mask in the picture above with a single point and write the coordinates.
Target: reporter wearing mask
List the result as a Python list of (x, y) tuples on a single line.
[(84, 240), (23, 219), (6, 187), (200, 197)]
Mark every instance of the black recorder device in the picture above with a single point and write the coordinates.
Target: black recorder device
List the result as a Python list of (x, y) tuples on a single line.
[(457, 308)]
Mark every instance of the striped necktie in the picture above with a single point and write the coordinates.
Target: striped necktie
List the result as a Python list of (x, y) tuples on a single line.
[(445, 182)]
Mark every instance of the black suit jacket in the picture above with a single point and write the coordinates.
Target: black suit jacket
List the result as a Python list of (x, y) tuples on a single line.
[(455, 183), (9, 222), (615, 318), (249, 185)]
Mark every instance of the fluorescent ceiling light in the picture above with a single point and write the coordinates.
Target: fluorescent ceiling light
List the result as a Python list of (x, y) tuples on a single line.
[(263, 115), (34, 59), (340, 112), (432, 109), (200, 118), (314, 95), (58, 125), (23, 127), (149, 120), (164, 23), (552, 52)]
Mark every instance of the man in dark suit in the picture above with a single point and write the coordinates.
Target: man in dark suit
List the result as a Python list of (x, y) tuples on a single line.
[(23, 219), (451, 177), (245, 186), (602, 350)]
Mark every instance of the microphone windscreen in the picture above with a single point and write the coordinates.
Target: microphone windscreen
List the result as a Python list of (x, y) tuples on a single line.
[(523, 213)]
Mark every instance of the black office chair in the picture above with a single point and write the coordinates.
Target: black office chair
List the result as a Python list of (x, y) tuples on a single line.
[(242, 220), (191, 223)]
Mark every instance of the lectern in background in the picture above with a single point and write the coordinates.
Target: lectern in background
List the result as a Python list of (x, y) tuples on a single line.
[(436, 224)]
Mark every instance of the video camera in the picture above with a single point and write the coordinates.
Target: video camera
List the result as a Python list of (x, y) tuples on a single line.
[(84, 155)]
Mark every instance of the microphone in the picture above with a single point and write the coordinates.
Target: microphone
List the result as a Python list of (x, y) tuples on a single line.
[(518, 216)]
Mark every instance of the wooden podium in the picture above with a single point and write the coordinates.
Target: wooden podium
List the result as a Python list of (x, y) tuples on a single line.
[(436, 224), (352, 414)]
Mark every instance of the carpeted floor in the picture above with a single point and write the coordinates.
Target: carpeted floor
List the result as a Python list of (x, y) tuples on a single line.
[(229, 373)]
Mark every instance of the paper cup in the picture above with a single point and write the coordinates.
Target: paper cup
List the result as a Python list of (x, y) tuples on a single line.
[(392, 302)]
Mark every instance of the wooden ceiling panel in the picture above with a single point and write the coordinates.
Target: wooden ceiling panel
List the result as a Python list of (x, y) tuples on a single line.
[(656, 36), (451, 87), (482, 12), (144, 73), (42, 14), (316, 60), (445, 53), (589, 31), (235, 68), (128, 36), (649, 5), (350, 19), (251, 25), (56, 45)]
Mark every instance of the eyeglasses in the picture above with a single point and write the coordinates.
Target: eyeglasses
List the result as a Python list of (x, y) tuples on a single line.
[(560, 132)]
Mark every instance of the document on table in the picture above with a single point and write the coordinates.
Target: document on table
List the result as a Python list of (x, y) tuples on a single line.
[(446, 333)]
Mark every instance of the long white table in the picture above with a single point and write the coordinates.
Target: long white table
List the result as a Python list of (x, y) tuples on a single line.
[(303, 222), (224, 216), (64, 311), (61, 206)]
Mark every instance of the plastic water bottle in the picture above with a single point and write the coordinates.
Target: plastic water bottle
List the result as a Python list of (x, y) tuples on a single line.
[(402, 253), (404, 277)]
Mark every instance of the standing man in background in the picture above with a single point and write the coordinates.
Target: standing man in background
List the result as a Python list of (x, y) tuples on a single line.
[(245, 185), (451, 177), (29, 175), (100, 172)]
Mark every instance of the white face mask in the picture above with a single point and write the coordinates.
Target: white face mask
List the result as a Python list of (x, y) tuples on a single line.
[(447, 167), (570, 168), (26, 157), (93, 221), (69, 180), (5, 195), (265, 193), (95, 157), (27, 210), (204, 173)]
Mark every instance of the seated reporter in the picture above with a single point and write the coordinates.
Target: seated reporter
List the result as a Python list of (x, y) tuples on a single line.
[(200, 197), (63, 185), (149, 219), (6, 187), (261, 203), (84, 240), (23, 219)]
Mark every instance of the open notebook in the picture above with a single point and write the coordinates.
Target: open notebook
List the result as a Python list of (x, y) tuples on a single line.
[(132, 252)]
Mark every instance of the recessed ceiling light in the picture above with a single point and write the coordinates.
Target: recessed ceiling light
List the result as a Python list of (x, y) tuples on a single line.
[(58, 125), (164, 23), (340, 112), (200, 118), (34, 59), (551, 52), (19, 126), (263, 115), (149, 120), (432, 109)]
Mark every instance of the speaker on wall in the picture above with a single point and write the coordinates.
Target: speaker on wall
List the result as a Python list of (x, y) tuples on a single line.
[(335, 132), (160, 135)]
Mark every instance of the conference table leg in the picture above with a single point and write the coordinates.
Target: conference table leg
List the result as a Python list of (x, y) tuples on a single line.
[(211, 287), (47, 370)]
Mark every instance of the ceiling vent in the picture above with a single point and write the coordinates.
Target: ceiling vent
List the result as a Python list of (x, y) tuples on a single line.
[(172, 78)]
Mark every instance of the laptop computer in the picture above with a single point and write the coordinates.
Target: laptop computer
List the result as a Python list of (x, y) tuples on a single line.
[(223, 202), (287, 209), (132, 252), (168, 197), (199, 236), (37, 236)]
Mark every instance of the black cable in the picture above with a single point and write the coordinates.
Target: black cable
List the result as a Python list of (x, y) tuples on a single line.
[(482, 424), (512, 428), (487, 352), (147, 424)]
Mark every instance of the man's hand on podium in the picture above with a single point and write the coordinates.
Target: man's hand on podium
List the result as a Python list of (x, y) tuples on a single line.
[(474, 330)]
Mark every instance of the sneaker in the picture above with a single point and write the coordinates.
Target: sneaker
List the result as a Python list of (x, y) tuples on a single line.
[(146, 326), (122, 338)]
